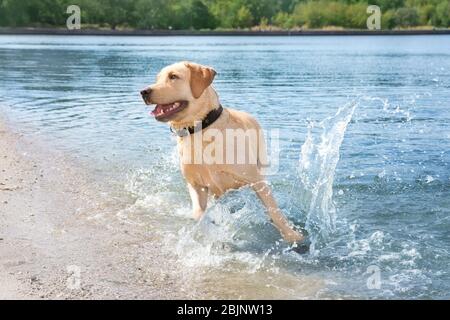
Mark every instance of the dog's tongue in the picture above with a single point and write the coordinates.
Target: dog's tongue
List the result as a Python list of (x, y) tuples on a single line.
[(156, 110), (159, 108)]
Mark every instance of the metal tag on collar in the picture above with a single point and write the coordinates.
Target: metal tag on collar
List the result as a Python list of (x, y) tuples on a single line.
[(180, 133)]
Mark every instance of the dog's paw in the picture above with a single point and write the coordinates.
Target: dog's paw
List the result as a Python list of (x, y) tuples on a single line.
[(302, 247)]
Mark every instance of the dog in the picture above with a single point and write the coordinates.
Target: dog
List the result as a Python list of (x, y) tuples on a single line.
[(185, 99)]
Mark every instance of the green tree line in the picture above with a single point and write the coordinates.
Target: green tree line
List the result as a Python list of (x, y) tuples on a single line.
[(225, 14)]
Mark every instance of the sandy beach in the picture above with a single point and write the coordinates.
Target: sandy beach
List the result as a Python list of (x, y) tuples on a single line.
[(51, 247)]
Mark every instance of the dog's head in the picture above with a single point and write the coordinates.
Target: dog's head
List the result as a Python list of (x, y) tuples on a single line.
[(177, 89)]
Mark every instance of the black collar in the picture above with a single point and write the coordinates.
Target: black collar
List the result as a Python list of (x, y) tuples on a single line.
[(210, 118)]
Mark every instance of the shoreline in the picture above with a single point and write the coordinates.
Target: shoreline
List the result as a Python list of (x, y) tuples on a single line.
[(159, 33), (54, 218)]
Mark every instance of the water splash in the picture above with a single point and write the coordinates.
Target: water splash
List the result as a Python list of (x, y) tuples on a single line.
[(391, 110), (318, 161)]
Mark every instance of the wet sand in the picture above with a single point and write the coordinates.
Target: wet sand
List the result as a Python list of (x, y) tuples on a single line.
[(54, 243)]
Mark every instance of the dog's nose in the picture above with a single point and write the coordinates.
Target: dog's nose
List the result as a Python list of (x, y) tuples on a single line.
[(146, 92)]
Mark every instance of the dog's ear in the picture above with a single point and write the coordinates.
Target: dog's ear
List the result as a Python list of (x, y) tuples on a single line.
[(201, 78)]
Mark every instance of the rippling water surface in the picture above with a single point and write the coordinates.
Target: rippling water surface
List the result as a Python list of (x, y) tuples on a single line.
[(364, 158)]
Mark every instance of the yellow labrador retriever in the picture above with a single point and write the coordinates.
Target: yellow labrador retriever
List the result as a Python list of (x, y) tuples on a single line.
[(210, 163)]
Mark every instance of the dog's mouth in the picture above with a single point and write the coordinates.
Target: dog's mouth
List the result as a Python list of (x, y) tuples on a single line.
[(163, 112)]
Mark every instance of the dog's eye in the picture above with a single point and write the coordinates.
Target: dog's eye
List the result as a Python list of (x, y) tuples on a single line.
[(173, 77)]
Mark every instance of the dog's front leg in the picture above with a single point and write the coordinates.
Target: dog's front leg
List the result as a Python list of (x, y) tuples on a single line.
[(278, 219), (199, 197)]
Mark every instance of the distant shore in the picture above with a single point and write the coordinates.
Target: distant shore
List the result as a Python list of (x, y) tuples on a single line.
[(109, 32)]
